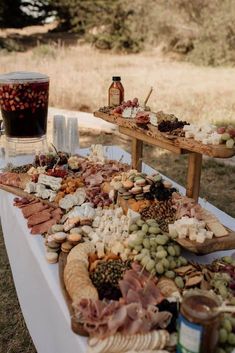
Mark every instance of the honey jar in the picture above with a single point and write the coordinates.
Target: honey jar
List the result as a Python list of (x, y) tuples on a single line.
[(198, 323)]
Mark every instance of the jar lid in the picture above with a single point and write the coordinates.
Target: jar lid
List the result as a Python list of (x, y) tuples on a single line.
[(22, 77), (116, 78)]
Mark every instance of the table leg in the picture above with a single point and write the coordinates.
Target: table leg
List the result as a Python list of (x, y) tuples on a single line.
[(194, 175), (137, 153)]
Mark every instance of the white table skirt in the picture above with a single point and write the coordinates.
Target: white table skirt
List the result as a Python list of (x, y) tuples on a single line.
[(37, 282)]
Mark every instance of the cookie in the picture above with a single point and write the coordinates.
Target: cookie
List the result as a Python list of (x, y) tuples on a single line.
[(51, 257), (59, 237), (74, 238), (66, 247)]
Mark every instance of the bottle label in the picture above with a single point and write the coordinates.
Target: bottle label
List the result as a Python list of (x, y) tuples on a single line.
[(114, 96), (190, 336)]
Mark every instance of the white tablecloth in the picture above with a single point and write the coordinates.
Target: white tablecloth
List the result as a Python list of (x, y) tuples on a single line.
[(37, 282)]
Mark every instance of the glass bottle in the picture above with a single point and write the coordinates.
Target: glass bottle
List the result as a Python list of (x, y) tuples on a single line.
[(116, 92)]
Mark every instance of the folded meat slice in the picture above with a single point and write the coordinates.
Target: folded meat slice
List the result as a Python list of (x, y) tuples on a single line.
[(34, 208), (38, 218), (43, 227)]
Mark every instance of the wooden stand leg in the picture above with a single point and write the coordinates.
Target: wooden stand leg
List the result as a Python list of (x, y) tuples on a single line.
[(137, 153), (194, 175)]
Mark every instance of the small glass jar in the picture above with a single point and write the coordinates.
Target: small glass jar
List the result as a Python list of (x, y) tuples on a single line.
[(116, 92), (198, 322)]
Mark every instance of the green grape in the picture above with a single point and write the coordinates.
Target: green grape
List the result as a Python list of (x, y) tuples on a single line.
[(131, 243), (183, 261), (227, 259), (161, 254), (179, 282), (140, 222), (159, 268), (139, 257), (220, 350), (145, 228), (150, 265), (228, 349), (170, 274), (223, 335), (133, 228), (172, 265), (152, 242), (227, 325), (223, 291), (160, 248), (140, 233), (145, 251), (170, 258), (139, 240), (231, 339), (165, 263), (145, 260), (154, 230), (138, 248), (146, 243), (161, 239), (171, 250), (177, 249), (151, 222)]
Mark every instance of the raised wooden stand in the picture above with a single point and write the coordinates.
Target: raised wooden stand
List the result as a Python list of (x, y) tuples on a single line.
[(178, 145)]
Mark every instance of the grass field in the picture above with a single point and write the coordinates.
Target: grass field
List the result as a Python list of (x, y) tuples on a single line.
[(80, 76)]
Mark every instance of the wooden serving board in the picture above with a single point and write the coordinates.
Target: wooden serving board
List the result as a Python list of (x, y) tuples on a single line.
[(75, 326), (21, 193), (173, 143), (210, 245)]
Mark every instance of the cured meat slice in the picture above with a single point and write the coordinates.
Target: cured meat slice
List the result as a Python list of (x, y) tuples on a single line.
[(43, 227), (38, 218), (34, 208)]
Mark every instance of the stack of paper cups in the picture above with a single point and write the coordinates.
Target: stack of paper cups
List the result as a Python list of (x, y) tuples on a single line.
[(72, 135), (59, 132)]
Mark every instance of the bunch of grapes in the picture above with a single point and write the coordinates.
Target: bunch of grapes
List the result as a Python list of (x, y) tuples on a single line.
[(155, 250), (227, 334), (129, 104), (227, 135)]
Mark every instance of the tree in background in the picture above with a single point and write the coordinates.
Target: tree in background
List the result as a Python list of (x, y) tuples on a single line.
[(20, 13)]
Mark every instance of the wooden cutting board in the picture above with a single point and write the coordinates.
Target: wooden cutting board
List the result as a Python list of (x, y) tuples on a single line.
[(210, 245), (21, 193), (175, 144), (75, 326)]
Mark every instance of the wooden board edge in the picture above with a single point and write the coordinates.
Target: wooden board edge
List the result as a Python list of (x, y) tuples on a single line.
[(21, 193), (210, 245), (215, 151), (75, 326)]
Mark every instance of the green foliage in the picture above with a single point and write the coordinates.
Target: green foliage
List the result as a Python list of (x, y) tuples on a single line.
[(13, 15)]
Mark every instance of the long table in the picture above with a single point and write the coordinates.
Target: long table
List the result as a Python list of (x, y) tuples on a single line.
[(37, 282)]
